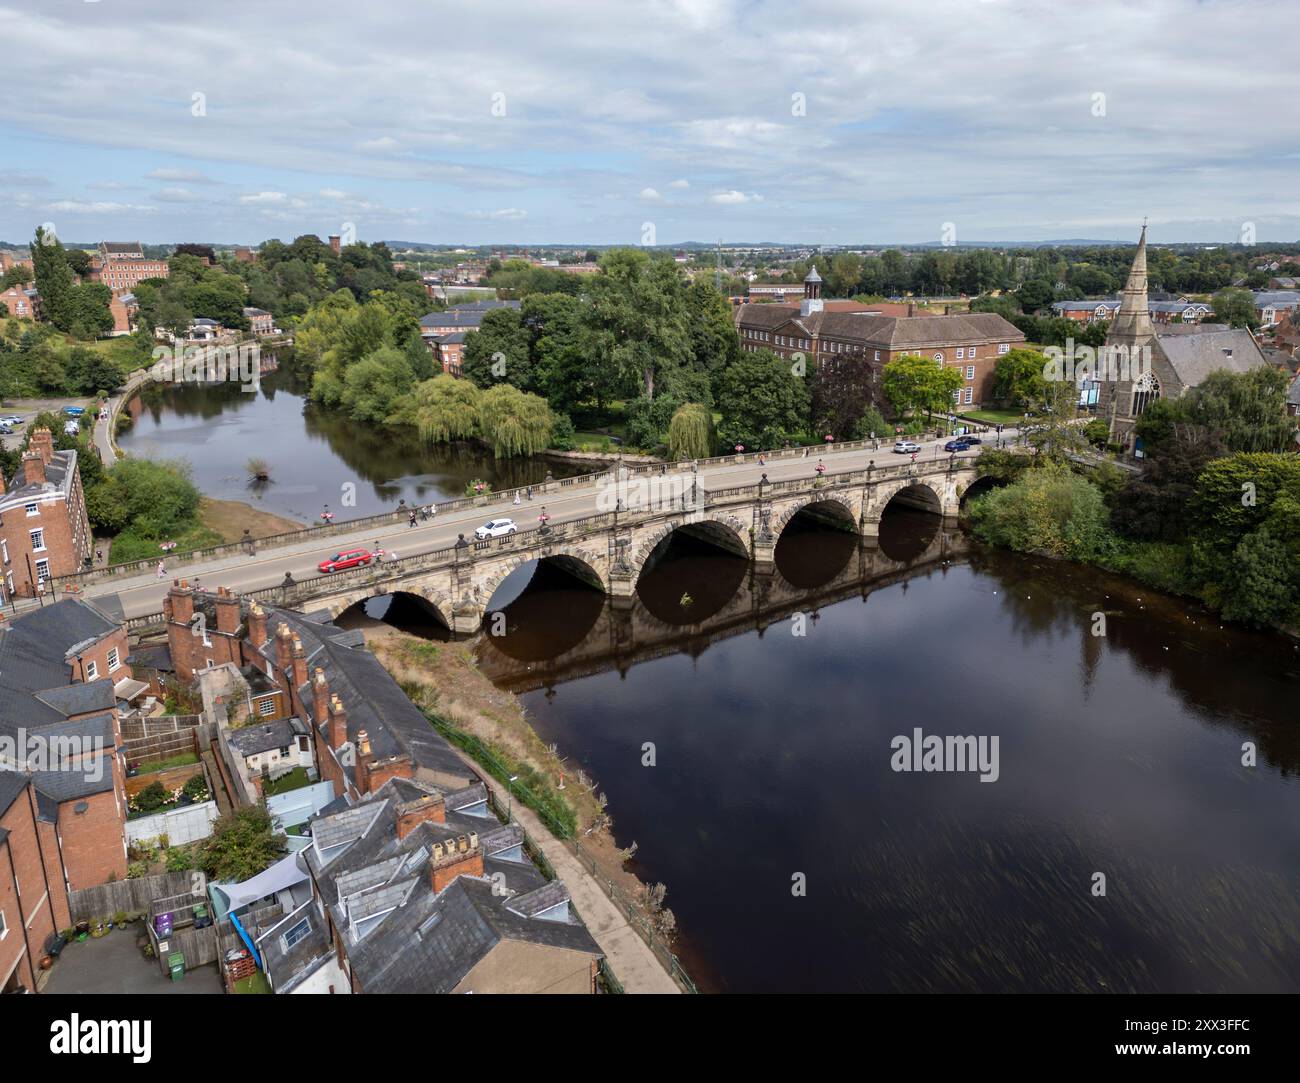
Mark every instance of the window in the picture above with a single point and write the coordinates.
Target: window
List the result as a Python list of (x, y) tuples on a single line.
[(970, 394), (1004, 347), (1145, 392), (38, 540), (4, 928), (113, 662), (297, 933), (877, 357), (956, 397), (970, 372), (938, 356), (42, 570), (266, 707), (92, 671), (961, 352), (4, 549), (32, 508)]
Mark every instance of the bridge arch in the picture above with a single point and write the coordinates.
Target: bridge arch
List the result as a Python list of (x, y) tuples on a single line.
[(831, 508), (918, 492), (417, 608), (986, 483), (582, 564), (720, 529)]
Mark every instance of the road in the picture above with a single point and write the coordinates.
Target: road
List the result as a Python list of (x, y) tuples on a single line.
[(143, 593)]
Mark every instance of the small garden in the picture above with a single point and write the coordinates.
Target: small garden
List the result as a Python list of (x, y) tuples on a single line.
[(156, 797)]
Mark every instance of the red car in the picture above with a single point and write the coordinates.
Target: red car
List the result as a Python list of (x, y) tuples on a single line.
[(349, 558)]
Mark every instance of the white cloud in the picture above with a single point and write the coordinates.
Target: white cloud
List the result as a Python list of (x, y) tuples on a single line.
[(734, 196), (683, 183), (76, 206), (513, 214), (184, 176), (176, 195), (264, 197), (650, 195)]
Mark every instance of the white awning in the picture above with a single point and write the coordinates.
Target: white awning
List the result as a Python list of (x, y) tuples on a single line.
[(128, 688), (285, 873)]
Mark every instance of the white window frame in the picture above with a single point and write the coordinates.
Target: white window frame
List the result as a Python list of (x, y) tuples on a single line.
[(38, 539), (33, 508), (1004, 347), (938, 356), (92, 671), (42, 570), (970, 395), (970, 372), (961, 352), (114, 661)]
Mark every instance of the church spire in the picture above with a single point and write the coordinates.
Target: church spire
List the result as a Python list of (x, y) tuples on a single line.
[(1132, 326)]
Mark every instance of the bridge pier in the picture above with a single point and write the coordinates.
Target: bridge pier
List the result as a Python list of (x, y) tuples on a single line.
[(466, 617)]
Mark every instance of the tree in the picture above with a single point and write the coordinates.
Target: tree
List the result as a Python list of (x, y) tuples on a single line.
[(843, 274), (690, 432), (1235, 496), (514, 422), (1052, 431), (843, 388), (1035, 294), (500, 352), (1050, 510), (243, 843), (1236, 308), (53, 277), (446, 408), (913, 382), (86, 311), (1018, 377), (763, 404)]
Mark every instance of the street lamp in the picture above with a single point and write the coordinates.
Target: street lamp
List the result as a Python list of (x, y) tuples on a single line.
[(510, 802)]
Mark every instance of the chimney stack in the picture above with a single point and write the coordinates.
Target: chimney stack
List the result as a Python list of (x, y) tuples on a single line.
[(227, 612), (911, 308), (334, 243), (299, 663), (460, 856), (41, 441), (363, 762), (283, 648), (430, 809), (320, 698), (181, 597), (338, 724), (257, 625), (33, 467)]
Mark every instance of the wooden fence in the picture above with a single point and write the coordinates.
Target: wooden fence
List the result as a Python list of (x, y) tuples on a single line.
[(129, 896)]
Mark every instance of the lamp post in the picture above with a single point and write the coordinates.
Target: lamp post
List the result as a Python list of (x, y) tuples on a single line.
[(510, 800)]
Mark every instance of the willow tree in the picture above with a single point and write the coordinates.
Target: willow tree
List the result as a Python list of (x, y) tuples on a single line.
[(690, 432), (514, 422), (445, 408)]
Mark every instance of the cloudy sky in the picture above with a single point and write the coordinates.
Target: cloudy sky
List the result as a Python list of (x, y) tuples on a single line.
[(592, 121)]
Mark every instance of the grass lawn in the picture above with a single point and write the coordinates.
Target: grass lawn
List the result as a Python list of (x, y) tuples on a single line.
[(182, 760), (995, 417), (129, 546), (294, 780)]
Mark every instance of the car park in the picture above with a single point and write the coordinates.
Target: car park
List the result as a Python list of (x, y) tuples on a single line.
[(495, 528)]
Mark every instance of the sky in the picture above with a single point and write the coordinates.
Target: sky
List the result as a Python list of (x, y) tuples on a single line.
[(648, 121)]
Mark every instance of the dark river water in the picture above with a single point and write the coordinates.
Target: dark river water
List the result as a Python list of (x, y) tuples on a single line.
[(1118, 755), (313, 453)]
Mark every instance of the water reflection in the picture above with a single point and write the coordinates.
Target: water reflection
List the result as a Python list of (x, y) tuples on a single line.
[(688, 580), (407, 612), (313, 453)]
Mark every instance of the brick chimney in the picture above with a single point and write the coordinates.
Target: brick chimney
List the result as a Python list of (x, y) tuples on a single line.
[(334, 243), (338, 724), (363, 762), (43, 442), (299, 658), (320, 698), (430, 809), (283, 648), (460, 856), (911, 308), (33, 467), (181, 597), (227, 612), (257, 625)]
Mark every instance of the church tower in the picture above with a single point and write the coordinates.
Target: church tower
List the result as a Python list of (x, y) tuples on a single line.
[(1127, 385), (1132, 326)]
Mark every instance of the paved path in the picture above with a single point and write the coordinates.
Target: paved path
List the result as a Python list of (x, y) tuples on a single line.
[(637, 968), (142, 593)]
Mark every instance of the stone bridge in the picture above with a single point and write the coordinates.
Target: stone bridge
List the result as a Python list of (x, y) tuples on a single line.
[(610, 549)]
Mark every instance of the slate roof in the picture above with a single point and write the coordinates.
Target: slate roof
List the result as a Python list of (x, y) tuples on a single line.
[(402, 938), (34, 659), (12, 783), (1194, 357), (1264, 298), (58, 473), (885, 332), (1293, 392), (154, 656), (262, 737)]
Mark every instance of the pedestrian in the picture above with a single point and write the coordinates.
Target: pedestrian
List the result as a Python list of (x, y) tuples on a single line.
[(162, 570), (761, 460), (517, 498), (99, 556), (424, 514), (914, 456), (410, 522), (530, 492)]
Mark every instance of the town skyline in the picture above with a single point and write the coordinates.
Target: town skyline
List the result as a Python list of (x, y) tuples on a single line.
[(862, 125)]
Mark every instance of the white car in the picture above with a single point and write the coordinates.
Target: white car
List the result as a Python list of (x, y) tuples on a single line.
[(906, 447), (495, 528), (11, 419)]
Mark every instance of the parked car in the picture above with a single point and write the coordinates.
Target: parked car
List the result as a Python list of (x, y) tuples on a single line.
[(971, 438), (11, 419), (348, 558), (6, 430), (906, 447), (957, 445), (74, 411), (495, 528), (71, 428)]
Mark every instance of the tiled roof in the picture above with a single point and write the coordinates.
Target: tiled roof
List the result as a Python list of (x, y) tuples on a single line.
[(33, 658), (1193, 357)]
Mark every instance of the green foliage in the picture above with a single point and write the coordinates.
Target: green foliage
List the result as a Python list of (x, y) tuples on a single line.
[(152, 797), (648, 420), (1049, 510), (1018, 377), (514, 422), (690, 432), (178, 859), (1236, 308), (913, 382), (763, 404), (445, 408), (242, 844)]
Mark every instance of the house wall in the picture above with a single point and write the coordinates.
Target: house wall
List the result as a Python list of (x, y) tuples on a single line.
[(27, 896), (93, 841)]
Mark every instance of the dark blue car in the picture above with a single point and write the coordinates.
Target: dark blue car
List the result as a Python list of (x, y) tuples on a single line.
[(956, 445)]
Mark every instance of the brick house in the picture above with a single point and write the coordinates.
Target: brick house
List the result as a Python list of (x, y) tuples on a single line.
[(21, 302), (44, 528), (62, 783), (260, 322), (970, 342), (124, 307)]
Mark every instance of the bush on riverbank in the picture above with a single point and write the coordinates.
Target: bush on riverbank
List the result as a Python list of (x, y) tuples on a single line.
[(1049, 510)]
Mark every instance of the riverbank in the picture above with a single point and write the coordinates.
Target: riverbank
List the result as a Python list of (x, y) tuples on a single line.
[(443, 679), (233, 518)]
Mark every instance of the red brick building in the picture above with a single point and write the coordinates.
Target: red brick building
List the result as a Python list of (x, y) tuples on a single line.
[(121, 266), (20, 301), (44, 528), (33, 895), (971, 342)]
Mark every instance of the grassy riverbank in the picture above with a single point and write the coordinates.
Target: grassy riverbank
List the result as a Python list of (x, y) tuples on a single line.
[(492, 728)]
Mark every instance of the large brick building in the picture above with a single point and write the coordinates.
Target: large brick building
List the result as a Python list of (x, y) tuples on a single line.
[(416, 886), (44, 528), (970, 342), (121, 266), (445, 332), (62, 784)]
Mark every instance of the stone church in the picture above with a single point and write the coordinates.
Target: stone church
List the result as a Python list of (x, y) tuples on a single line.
[(1164, 361)]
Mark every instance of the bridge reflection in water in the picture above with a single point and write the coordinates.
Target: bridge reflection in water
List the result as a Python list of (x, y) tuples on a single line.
[(694, 594)]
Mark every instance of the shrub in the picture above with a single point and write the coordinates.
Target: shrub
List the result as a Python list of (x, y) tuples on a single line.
[(151, 798)]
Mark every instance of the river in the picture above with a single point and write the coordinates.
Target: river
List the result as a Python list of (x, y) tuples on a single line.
[(1119, 754), (314, 453)]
